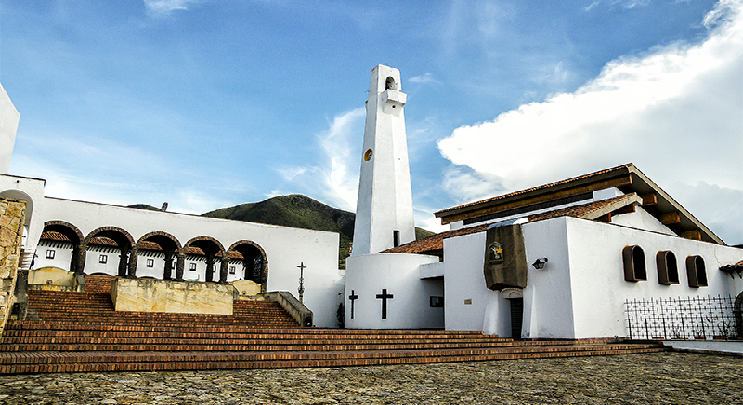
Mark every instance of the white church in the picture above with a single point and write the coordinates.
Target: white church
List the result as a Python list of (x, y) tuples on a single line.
[(556, 261), (560, 260)]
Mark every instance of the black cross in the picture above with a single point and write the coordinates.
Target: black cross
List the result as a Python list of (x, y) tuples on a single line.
[(353, 297), (384, 297)]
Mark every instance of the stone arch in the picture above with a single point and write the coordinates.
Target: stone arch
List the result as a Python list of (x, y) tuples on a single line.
[(126, 244), (73, 233), (171, 247), (212, 249), (255, 261)]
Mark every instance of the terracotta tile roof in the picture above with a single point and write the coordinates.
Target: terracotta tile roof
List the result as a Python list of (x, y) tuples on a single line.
[(730, 268), (627, 178), (585, 210), (528, 190), (435, 242), (55, 236), (144, 245), (591, 210)]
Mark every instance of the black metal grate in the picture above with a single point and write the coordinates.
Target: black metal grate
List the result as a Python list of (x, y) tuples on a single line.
[(681, 318)]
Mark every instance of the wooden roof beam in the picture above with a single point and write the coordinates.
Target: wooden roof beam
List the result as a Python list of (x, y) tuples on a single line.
[(694, 234), (649, 199), (670, 218)]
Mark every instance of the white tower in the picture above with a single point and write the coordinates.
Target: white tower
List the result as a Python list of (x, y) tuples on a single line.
[(9, 118), (384, 212)]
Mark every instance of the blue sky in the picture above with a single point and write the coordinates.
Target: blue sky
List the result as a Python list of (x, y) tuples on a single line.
[(212, 103)]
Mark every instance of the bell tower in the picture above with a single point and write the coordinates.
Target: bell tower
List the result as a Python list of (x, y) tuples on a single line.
[(9, 118), (384, 212)]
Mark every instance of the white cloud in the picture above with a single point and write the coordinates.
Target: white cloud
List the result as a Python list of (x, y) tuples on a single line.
[(335, 180), (165, 7), (424, 78), (676, 112), (591, 6)]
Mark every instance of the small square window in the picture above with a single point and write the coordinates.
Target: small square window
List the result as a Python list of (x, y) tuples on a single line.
[(103, 259), (150, 262), (50, 254), (232, 269), (192, 267)]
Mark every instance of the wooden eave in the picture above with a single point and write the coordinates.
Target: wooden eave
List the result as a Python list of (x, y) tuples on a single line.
[(626, 178)]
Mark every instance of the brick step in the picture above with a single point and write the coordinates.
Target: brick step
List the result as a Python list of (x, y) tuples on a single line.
[(147, 361), (296, 335), (254, 332), (224, 343), (162, 315), (258, 321), (358, 349)]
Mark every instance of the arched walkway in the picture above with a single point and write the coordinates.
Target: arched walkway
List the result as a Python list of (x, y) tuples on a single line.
[(212, 249), (127, 247), (255, 262), (77, 263), (171, 247)]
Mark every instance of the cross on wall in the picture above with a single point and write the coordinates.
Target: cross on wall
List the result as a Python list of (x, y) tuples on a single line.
[(353, 297), (384, 297)]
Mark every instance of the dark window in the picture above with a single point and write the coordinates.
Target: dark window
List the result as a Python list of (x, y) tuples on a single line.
[(668, 272), (232, 269), (696, 271), (633, 259), (150, 262), (192, 267), (390, 84), (103, 259), (50, 254)]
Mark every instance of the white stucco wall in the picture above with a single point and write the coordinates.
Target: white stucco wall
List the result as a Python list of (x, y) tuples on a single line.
[(399, 274), (285, 247), (470, 305), (581, 291), (9, 118), (597, 278), (641, 219), (548, 297)]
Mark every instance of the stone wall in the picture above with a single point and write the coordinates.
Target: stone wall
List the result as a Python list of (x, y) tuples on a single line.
[(12, 217)]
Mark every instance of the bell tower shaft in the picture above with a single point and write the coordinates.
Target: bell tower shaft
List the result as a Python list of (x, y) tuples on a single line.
[(384, 212)]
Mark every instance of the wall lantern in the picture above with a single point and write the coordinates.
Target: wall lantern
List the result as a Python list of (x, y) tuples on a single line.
[(539, 264)]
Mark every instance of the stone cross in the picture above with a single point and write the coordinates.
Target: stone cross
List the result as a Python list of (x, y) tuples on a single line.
[(353, 297), (384, 297)]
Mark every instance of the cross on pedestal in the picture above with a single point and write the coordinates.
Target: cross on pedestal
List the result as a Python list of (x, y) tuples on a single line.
[(384, 297), (353, 297), (301, 282)]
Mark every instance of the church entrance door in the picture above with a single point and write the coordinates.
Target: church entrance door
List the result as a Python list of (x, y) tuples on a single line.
[(517, 316)]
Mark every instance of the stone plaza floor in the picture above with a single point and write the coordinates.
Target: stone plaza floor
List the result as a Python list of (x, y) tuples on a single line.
[(658, 378)]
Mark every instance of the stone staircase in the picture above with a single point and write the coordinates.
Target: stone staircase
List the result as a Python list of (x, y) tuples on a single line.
[(75, 332)]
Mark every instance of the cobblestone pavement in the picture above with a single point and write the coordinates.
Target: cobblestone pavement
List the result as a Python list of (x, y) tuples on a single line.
[(659, 378)]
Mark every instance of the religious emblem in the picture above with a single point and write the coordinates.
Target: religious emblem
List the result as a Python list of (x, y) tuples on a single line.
[(495, 252)]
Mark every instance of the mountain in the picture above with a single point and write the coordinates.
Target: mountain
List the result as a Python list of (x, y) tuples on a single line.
[(300, 212)]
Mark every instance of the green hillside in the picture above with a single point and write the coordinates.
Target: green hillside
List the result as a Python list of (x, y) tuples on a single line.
[(301, 212)]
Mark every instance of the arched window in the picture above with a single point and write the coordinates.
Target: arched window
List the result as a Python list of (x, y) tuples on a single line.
[(696, 271), (633, 259), (390, 84), (668, 272)]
